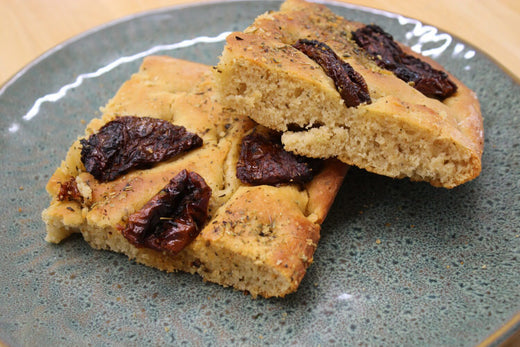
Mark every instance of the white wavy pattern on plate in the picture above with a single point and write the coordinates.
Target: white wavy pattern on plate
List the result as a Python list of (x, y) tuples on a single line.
[(62, 92)]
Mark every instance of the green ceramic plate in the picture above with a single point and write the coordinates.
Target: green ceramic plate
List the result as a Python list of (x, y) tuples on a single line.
[(399, 263)]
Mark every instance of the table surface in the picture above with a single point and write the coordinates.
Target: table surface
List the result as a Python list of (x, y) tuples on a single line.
[(30, 27)]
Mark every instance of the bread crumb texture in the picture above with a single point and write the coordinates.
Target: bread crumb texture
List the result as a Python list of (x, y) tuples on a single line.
[(401, 133), (258, 239)]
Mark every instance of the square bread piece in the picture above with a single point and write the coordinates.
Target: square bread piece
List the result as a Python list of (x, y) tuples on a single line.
[(257, 238), (400, 132)]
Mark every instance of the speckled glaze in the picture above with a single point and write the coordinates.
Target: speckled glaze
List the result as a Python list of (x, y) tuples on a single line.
[(399, 263)]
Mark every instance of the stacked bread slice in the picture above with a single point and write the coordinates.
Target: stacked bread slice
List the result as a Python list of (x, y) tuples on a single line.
[(412, 119)]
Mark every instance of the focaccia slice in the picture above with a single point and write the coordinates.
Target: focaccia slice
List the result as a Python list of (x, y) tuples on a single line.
[(256, 238), (347, 90)]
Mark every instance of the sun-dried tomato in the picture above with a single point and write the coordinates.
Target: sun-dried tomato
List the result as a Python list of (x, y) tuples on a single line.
[(133, 142), (263, 160), (172, 218), (349, 83), (69, 191), (388, 54)]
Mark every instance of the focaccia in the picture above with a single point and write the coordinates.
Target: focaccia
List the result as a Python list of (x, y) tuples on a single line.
[(258, 238), (342, 89)]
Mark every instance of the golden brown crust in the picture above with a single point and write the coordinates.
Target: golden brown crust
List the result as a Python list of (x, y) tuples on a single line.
[(262, 75), (258, 239)]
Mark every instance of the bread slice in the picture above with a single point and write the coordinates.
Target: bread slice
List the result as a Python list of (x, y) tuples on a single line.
[(400, 132), (257, 238)]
